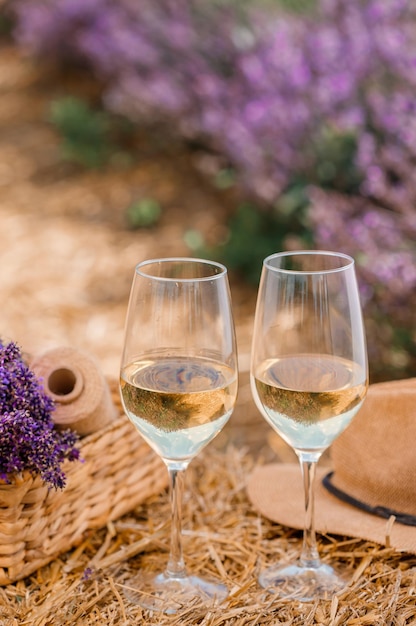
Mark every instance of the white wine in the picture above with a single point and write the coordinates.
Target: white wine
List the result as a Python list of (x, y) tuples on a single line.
[(178, 404), (309, 399)]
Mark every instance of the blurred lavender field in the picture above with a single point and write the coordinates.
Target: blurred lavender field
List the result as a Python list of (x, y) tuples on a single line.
[(309, 116)]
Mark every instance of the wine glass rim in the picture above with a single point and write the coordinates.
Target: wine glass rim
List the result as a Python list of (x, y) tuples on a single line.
[(349, 261), (221, 269)]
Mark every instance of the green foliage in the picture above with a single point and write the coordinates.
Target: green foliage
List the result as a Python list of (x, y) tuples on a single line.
[(292, 6), (298, 6), (254, 233), (143, 213), (87, 133), (333, 157), (6, 26), (225, 178)]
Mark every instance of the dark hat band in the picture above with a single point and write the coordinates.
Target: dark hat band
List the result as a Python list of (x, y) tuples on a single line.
[(381, 511)]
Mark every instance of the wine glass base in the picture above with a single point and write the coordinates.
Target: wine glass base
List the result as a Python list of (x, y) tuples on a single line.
[(162, 593), (304, 584)]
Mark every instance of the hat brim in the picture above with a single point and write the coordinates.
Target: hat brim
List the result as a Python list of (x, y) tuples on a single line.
[(276, 491)]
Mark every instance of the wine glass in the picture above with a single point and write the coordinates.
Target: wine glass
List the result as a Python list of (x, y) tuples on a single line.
[(178, 385), (309, 377)]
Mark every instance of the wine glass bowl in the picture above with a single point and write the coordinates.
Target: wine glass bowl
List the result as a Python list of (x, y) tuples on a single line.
[(178, 384), (309, 377)]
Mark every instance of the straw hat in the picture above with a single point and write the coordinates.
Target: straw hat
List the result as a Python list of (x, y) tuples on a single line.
[(370, 492)]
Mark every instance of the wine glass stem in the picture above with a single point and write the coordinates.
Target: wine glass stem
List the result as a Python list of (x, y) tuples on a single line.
[(309, 555), (176, 564)]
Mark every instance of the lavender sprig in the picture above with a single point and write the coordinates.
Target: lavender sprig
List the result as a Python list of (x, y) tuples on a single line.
[(28, 439)]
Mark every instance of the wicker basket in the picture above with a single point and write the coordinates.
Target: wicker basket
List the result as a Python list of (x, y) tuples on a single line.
[(37, 524)]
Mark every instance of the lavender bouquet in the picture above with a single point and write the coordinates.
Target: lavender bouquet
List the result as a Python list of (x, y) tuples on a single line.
[(28, 439)]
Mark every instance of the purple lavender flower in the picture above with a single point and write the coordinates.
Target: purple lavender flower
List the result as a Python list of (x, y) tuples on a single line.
[(28, 439)]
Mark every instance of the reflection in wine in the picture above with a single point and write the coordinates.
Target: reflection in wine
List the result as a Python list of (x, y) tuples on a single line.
[(178, 404), (310, 399)]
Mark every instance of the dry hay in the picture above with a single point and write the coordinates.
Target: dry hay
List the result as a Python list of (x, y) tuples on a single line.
[(223, 537)]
